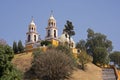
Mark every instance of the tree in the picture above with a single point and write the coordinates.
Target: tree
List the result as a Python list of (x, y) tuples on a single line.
[(81, 45), (51, 65), (20, 47), (69, 29), (7, 70), (46, 43), (15, 47), (98, 46), (115, 57), (84, 58)]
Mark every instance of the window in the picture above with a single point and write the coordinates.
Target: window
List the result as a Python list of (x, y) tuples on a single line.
[(66, 35), (55, 33), (28, 38), (48, 33), (34, 37), (52, 23)]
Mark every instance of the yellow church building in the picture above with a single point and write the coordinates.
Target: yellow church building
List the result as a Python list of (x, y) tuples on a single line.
[(33, 39)]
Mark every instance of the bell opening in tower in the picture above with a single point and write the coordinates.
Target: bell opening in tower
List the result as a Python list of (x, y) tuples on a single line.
[(29, 38)]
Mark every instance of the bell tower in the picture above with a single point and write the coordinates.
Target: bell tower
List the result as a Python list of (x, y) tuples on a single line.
[(51, 30), (32, 35)]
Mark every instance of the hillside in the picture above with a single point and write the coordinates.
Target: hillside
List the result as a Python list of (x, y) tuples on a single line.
[(23, 62)]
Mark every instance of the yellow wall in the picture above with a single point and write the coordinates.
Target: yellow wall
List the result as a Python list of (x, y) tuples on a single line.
[(55, 42), (75, 52), (29, 48)]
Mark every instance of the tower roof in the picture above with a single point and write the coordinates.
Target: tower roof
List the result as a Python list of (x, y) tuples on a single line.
[(51, 16), (32, 22)]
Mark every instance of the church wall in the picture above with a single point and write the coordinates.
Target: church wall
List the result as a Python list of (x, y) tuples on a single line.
[(55, 43)]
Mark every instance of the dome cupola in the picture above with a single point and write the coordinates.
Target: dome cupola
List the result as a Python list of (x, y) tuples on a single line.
[(32, 26)]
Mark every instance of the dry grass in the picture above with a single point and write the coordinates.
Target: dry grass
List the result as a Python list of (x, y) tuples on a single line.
[(92, 73), (23, 62)]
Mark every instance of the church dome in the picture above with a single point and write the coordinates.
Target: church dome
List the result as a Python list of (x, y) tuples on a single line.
[(32, 22), (32, 26), (51, 18), (64, 38)]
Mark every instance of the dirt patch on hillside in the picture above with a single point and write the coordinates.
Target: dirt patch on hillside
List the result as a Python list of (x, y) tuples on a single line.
[(92, 73), (23, 61)]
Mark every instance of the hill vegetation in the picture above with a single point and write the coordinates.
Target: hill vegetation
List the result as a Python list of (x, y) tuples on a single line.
[(23, 62), (7, 69)]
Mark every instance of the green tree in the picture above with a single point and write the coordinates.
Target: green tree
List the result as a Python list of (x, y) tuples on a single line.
[(69, 29), (51, 65), (81, 45), (98, 46), (15, 47), (115, 57), (7, 70), (20, 47), (84, 58), (46, 43)]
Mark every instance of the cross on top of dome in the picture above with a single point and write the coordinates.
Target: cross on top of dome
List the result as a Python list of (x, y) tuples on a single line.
[(32, 22), (51, 16)]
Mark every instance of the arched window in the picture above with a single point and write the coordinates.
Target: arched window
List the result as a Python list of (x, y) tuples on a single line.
[(55, 33), (28, 38), (48, 33), (66, 35), (52, 23), (34, 37)]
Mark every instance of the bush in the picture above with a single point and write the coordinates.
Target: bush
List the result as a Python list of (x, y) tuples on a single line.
[(7, 70), (84, 58), (51, 65), (46, 43), (67, 50)]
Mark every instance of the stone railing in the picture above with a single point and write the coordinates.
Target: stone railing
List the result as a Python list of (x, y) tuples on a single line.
[(108, 74), (116, 73)]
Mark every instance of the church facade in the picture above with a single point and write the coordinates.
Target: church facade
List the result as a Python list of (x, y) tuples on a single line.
[(33, 39)]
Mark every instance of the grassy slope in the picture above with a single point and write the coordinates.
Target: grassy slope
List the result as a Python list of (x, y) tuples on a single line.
[(92, 73), (23, 62)]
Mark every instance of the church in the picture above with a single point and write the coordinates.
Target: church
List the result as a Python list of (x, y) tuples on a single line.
[(33, 37)]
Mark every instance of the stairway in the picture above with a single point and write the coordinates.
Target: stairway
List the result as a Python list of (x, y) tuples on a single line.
[(108, 74)]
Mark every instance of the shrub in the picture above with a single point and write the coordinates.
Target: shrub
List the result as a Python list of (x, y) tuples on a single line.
[(7, 70), (52, 65), (46, 43), (84, 58)]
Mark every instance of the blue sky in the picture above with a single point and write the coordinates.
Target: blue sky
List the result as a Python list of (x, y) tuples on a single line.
[(100, 15)]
